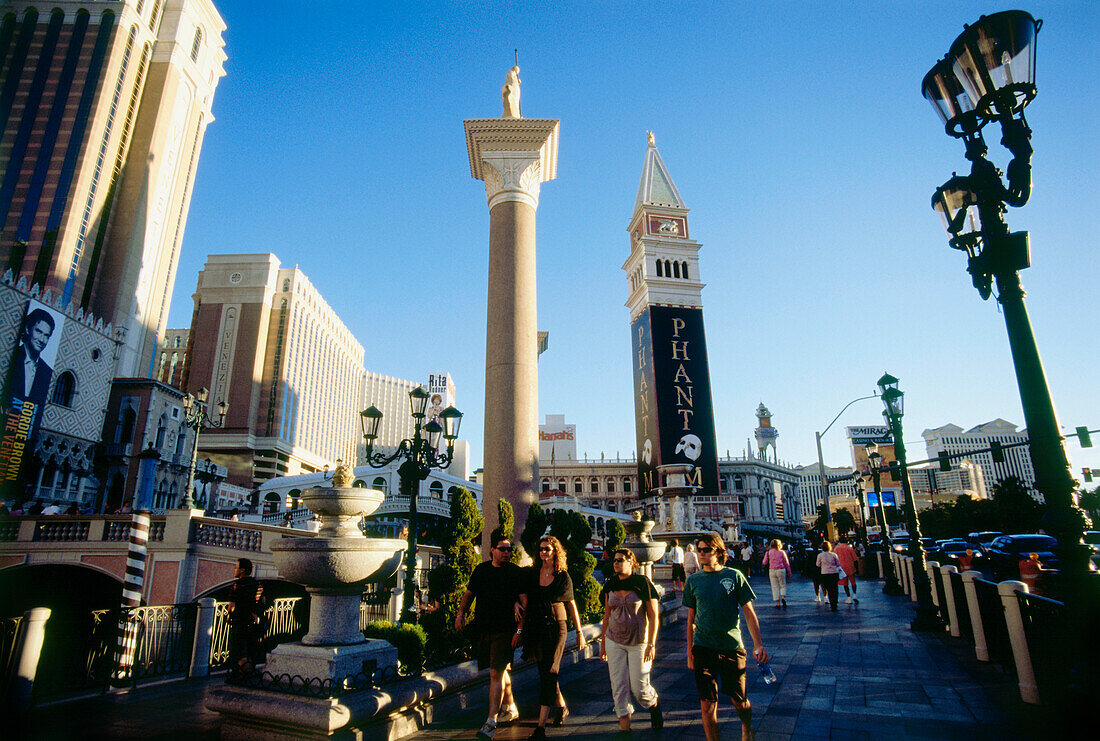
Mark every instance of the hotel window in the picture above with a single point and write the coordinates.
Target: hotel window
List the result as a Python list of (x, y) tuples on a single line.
[(64, 389), (196, 45)]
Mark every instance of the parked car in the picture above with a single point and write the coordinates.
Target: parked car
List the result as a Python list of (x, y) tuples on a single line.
[(984, 537), (950, 552), (936, 550), (1006, 552)]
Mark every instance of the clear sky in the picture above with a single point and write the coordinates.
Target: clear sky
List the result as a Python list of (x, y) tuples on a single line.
[(795, 131)]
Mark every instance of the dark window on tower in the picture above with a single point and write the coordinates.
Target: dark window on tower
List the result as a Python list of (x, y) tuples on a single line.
[(676, 269), (660, 266), (64, 389), (685, 271)]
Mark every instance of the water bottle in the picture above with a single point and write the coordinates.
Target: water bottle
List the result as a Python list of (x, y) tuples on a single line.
[(766, 671)]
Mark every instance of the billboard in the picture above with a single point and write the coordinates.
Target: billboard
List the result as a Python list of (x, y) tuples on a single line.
[(673, 412), (441, 394), (869, 435), (557, 440), (25, 391)]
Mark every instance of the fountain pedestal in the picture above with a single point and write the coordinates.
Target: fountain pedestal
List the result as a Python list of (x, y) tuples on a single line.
[(333, 567)]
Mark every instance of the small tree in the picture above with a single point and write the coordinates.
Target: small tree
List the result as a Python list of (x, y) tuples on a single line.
[(534, 528), (844, 521), (616, 534), (447, 582), (507, 528), (1017, 511)]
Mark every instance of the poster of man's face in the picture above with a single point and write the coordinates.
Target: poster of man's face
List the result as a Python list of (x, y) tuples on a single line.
[(33, 361)]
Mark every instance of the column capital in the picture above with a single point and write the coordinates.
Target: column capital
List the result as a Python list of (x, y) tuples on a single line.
[(512, 156)]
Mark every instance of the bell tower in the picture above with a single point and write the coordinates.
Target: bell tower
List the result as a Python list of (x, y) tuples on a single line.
[(674, 417)]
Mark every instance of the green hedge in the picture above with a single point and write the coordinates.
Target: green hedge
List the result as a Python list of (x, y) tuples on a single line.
[(410, 641)]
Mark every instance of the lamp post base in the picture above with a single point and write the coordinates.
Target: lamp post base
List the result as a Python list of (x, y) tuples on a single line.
[(927, 620), (891, 588)]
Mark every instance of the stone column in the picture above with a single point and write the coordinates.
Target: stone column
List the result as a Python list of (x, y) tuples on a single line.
[(513, 156)]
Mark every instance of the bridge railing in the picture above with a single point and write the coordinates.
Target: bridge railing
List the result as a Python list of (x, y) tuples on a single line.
[(75, 529)]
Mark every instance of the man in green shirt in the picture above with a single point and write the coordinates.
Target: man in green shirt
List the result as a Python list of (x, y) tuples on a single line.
[(715, 596)]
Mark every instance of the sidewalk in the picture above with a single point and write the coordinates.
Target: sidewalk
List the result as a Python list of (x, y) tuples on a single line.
[(859, 673), (856, 674)]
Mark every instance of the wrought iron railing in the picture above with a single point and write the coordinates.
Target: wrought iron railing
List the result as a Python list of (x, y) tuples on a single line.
[(219, 635), (10, 631), (993, 622), (374, 605), (962, 608), (1052, 651), (284, 620), (165, 635)]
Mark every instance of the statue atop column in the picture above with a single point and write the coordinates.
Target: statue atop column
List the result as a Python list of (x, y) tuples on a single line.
[(509, 93)]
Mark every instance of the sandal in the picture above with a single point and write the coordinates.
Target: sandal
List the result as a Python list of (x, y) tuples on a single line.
[(558, 715)]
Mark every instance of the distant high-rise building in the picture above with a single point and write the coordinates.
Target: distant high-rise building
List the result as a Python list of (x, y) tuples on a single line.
[(1017, 461), (263, 339), (103, 108)]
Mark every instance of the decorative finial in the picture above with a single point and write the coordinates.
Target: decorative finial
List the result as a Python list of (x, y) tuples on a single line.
[(652, 141), (509, 93)]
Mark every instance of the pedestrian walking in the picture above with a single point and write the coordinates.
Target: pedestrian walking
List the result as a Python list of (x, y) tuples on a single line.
[(779, 569), (246, 605), (849, 561), (628, 642), (496, 585), (829, 564), (691, 560), (550, 600), (676, 558), (746, 557), (716, 596), (813, 571)]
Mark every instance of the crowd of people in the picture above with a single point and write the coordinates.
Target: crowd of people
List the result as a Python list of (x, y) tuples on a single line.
[(531, 609)]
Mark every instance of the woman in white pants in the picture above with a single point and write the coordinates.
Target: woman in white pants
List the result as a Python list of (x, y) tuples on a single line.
[(629, 639), (779, 568)]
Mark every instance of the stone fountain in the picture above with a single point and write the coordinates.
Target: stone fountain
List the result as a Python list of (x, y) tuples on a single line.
[(644, 548), (333, 567)]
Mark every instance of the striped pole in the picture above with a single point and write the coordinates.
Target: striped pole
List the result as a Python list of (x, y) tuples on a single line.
[(134, 581)]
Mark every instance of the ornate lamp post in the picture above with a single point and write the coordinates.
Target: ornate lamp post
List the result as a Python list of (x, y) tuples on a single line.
[(989, 75), (421, 454), (196, 415), (894, 401), (890, 585)]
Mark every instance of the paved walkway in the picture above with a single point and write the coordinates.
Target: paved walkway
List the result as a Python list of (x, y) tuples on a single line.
[(856, 674), (859, 673)]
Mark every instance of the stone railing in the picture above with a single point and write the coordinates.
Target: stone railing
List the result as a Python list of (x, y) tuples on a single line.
[(75, 529)]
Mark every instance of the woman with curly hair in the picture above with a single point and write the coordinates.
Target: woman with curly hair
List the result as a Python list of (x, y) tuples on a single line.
[(543, 628)]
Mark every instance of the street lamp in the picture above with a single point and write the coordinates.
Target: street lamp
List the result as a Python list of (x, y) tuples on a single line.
[(421, 454), (196, 415), (830, 527), (989, 75), (890, 585), (894, 401)]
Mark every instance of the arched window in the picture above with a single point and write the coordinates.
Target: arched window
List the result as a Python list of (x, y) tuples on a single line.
[(628, 486), (561, 485), (155, 15), (545, 485), (436, 490), (676, 269), (738, 483), (668, 269), (181, 439), (381, 484), (724, 484), (124, 429), (684, 270), (162, 431), (610, 486), (595, 483), (64, 389), (196, 45), (578, 485), (176, 342), (660, 269)]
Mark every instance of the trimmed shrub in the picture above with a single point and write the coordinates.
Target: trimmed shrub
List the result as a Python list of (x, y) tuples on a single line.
[(410, 641)]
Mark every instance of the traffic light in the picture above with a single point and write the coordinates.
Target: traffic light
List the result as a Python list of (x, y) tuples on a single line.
[(1084, 437), (1088, 474), (996, 449), (945, 461)]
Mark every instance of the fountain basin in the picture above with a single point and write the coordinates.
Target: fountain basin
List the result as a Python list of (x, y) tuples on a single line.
[(332, 563), (341, 508)]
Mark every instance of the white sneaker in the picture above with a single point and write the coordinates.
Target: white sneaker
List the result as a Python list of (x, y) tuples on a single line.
[(817, 598), (848, 601), (508, 714), (488, 730)]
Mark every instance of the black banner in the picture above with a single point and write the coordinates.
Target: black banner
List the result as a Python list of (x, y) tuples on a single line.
[(673, 411)]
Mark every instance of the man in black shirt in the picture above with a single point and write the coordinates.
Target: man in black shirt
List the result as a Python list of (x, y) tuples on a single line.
[(246, 604), (496, 585)]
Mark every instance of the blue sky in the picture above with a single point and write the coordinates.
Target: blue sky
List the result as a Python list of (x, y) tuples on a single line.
[(795, 131)]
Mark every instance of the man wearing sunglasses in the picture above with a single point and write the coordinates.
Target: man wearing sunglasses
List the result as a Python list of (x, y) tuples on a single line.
[(496, 586), (715, 597)]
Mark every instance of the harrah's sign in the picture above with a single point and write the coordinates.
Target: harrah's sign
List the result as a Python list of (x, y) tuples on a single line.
[(563, 435)]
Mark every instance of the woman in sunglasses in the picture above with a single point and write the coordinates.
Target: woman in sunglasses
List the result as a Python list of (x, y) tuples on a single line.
[(543, 628), (629, 639)]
